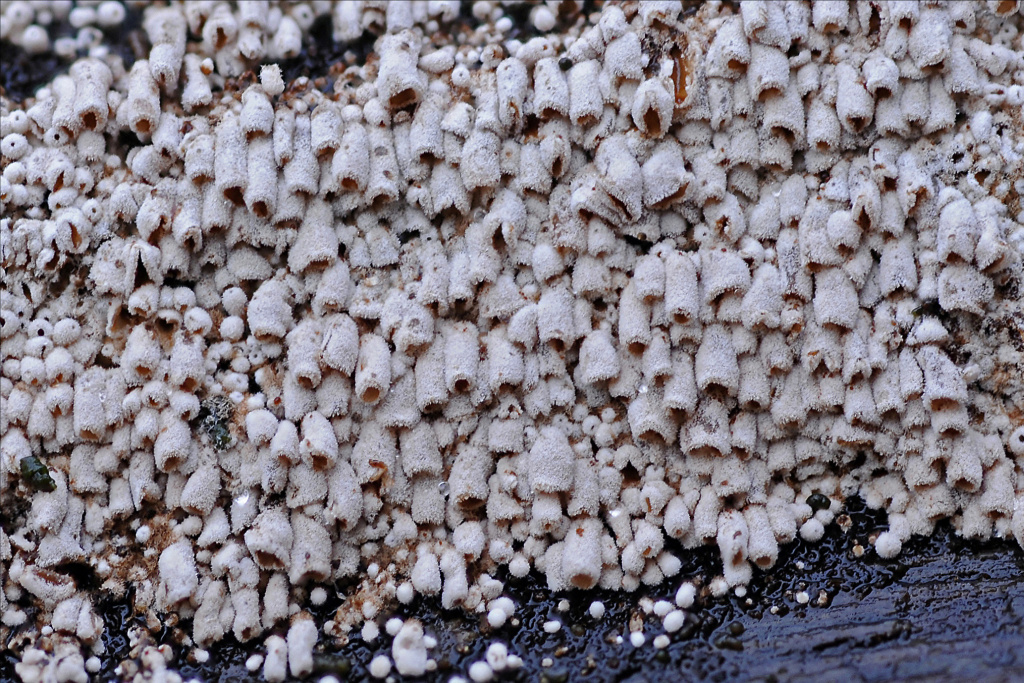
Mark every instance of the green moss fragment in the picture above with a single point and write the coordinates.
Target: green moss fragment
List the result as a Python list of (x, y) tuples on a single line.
[(818, 501), (214, 414), (36, 474)]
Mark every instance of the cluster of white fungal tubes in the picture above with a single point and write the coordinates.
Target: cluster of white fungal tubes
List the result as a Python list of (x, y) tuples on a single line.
[(484, 301)]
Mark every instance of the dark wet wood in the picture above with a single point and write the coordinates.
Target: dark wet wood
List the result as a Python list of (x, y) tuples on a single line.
[(946, 610)]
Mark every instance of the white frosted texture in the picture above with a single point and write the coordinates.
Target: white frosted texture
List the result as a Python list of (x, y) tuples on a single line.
[(535, 306)]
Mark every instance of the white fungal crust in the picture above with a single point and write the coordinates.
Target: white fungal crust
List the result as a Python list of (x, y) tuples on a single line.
[(490, 304)]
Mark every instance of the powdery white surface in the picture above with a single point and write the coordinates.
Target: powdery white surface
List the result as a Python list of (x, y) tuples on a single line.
[(482, 302)]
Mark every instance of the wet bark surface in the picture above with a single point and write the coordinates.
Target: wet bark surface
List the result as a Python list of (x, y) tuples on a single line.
[(22, 74), (945, 610)]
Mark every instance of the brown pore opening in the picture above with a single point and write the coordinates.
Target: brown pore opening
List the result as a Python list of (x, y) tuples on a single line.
[(716, 390), (498, 241), (882, 92), (860, 422), (890, 414), (706, 451), (172, 463), (943, 403), (874, 21), (261, 209), (189, 385), (916, 197), (268, 560), (769, 93), (619, 204), (1006, 6), (462, 386), (857, 123), (737, 65), (636, 348), (965, 485), (831, 27), (143, 126), (220, 39), (321, 462), (470, 503), (349, 184), (89, 120), (556, 167), (586, 121), (951, 432), (51, 264), (670, 199), (653, 437), (680, 72), (89, 435), (841, 329), (234, 195), (403, 98), (652, 122), (583, 581), (763, 562), (863, 219), (785, 133), (370, 395), (193, 242), (432, 406)]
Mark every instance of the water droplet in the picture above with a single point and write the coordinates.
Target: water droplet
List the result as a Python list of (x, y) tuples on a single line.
[(443, 488), (614, 513), (643, 389), (242, 499)]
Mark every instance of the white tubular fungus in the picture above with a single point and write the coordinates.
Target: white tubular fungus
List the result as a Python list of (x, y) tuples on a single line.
[(581, 559), (434, 314), (178, 578), (270, 539), (550, 462), (399, 82), (461, 355), (715, 364), (141, 108), (373, 369)]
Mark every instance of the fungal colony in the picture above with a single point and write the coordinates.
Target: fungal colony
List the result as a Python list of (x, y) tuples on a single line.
[(492, 300)]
